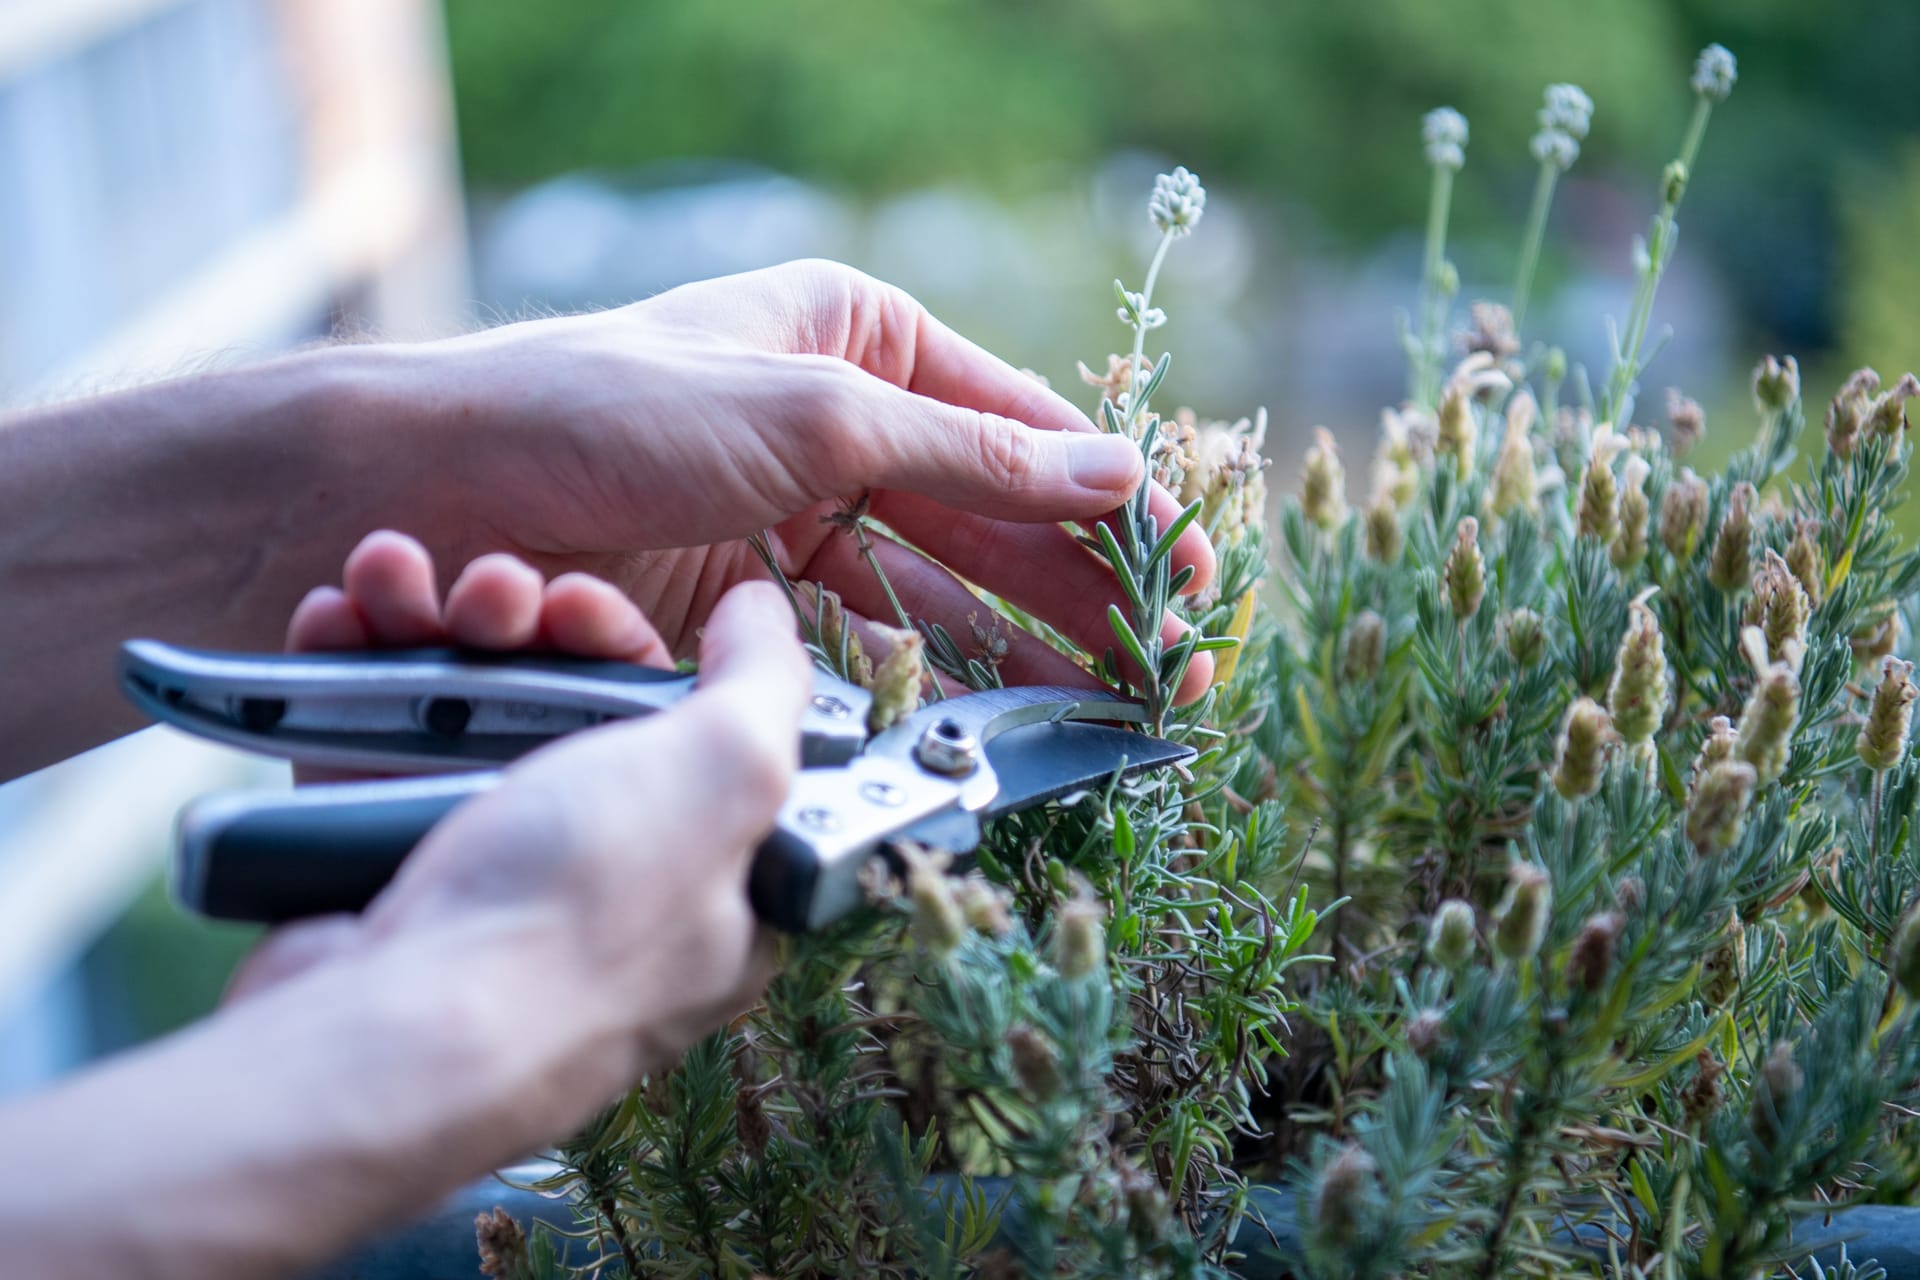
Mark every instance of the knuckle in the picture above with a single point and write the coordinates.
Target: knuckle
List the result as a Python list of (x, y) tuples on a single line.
[(743, 757), (1009, 453)]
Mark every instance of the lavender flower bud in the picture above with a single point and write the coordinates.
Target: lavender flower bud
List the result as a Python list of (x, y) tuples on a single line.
[(1724, 967), (1779, 607), (984, 905), (1629, 546), (838, 639), (938, 922), (1426, 1031), (1591, 959), (1177, 202), (1582, 750), (1888, 416), (1673, 185), (1637, 696), (1554, 149), (1765, 737), (1146, 1204), (1808, 563), (1450, 941), (1323, 488), (1779, 1079), (1714, 73), (896, 681), (1444, 132), (1080, 937), (1459, 434), (1732, 562), (1683, 514), (1717, 813), (1366, 646), (1340, 1201), (1384, 538), (1630, 895), (1520, 923), (1465, 573), (1526, 635), (1515, 483), (1568, 109), (1883, 741), (1847, 415), (1597, 511), (1686, 421), (502, 1244), (1036, 1063), (1718, 746), (1903, 953), (1876, 640), (1776, 384), (1492, 331)]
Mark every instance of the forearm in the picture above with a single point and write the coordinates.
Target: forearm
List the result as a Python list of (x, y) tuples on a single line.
[(198, 511), (276, 1134)]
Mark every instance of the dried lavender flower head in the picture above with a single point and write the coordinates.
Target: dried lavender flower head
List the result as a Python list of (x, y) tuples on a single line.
[(1323, 485), (1080, 936), (1714, 72), (1597, 510), (1520, 923), (1450, 941), (1581, 753), (1717, 814), (1629, 545), (1465, 572), (1683, 514), (1384, 537), (1686, 422), (1779, 1079), (1637, 696), (1347, 1187), (1883, 739), (1516, 483), (1444, 132), (1526, 633), (1177, 202), (1732, 564), (1591, 959), (1765, 736), (1365, 648)]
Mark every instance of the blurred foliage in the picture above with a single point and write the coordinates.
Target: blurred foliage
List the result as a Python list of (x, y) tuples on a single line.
[(1303, 100), (1881, 324)]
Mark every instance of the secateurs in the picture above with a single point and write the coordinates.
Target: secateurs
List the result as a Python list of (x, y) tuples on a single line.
[(461, 716)]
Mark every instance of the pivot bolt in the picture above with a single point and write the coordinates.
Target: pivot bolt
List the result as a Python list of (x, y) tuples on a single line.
[(831, 707), (948, 748)]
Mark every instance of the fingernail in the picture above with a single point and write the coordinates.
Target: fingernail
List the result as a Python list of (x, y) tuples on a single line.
[(1108, 463)]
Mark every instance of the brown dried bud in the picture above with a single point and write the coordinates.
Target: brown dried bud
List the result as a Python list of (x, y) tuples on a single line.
[(1080, 937), (1515, 483), (1426, 1031), (1637, 695), (1629, 545), (1847, 415), (1365, 648), (750, 1123), (1887, 417), (1492, 331), (1732, 562), (1702, 1096), (1807, 563), (1581, 756), (1347, 1184), (1591, 959), (1776, 384), (938, 922), (1883, 740), (1146, 1204), (1450, 940), (1717, 811), (840, 641), (1630, 895), (502, 1244), (1384, 538), (1520, 923), (1526, 633), (984, 905), (1725, 967), (1036, 1063), (1779, 607), (1323, 486), (1683, 514), (1459, 434), (1765, 736), (1465, 573), (1686, 422), (1774, 1088), (1717, 746)]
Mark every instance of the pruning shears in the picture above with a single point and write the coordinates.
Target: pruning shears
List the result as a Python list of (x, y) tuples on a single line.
[(452, 719)]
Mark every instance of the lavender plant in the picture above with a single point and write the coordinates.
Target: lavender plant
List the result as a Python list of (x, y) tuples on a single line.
[(1601, 769), (1611, 761), (1045, 1065)]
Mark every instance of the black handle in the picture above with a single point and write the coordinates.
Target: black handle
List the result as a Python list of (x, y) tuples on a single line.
[(333, 848)]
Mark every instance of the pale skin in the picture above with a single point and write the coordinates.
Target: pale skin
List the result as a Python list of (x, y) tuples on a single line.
[(592, 480)]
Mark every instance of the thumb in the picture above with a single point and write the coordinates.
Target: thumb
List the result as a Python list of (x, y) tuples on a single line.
[(985, 463)]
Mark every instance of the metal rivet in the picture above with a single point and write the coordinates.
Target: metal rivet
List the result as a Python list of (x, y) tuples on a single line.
[(883, 793), (831, 707), (818, 819), (947, 748)]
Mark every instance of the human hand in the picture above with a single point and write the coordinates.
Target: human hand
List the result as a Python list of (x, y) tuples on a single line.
[(644, 444)]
